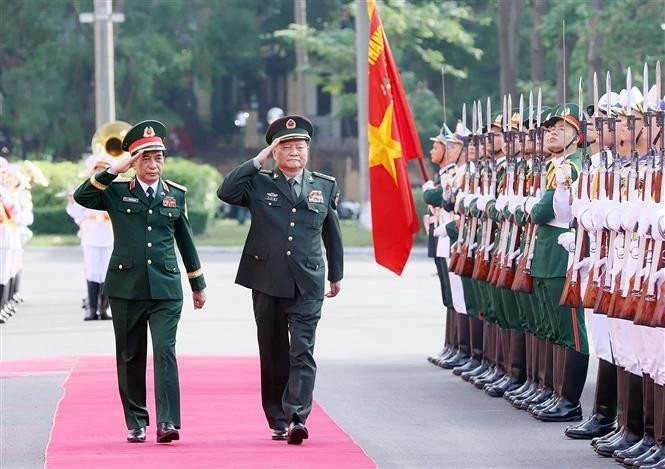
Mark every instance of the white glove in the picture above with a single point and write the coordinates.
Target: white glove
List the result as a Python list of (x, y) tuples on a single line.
[(501, 202), (530, 203), (458, 200), (659, 277), (583, 266), (630, 214), (440, 231), (563, 177), (567, 241), (515, 254), (658, 226), (468, 199), (599, 210), (578, 206), (514, 202), (428, 186), (613, 219), (482, 202), (585, 219)]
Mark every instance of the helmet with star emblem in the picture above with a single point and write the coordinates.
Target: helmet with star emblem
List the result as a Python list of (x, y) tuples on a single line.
[(290, 128), (146, 135)]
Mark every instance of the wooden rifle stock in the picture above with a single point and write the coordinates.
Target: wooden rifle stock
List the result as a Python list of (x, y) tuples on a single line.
[(659, 309)]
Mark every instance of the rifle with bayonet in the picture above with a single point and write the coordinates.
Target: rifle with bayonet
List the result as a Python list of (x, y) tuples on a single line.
[(456, 255), (483, 261)]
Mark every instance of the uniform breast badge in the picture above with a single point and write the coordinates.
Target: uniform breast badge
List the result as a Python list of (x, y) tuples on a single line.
[(169, 202), (133, 200), (315, 197), (271, 196)]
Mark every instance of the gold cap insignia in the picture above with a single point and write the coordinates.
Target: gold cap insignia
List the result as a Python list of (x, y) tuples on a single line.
[(148, 132), (290, 124)]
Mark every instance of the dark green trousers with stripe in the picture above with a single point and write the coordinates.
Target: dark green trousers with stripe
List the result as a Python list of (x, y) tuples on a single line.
[(566, 325), (130, 325)]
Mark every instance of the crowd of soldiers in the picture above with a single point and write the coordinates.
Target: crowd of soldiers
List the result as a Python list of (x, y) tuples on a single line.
[(16, 216), (547, 230)]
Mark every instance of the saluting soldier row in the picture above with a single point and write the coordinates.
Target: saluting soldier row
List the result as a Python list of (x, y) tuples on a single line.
[(549, 231)]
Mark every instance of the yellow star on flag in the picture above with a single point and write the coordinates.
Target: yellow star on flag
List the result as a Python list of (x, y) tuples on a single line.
[(383, 149)]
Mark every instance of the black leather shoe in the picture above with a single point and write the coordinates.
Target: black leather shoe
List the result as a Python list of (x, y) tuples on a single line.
[(488, 371), (516, 399), (639, 460), (562, 411), (607, 438), (626, 440), (136, 435), (655, 460), (297, 433), (479, 370), (471, 364), (167, 433), (280, 434), (526, 385), (544, 405), (638, 449), (590, 428), (499, 390), (459, 359), (493, 377)]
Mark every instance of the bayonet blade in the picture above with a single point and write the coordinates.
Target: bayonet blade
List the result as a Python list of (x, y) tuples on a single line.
[(480, 117), (510, 112), (659, 96), (629, 92), (579, 99), (464, 117), (474, 129), (521, 126), (539, 109), (608, 91), (645, 86), (503, 116), (595, 95), (530, 109), (489, 115)]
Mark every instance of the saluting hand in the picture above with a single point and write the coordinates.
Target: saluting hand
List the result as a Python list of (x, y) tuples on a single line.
[(125, 163), (264, 154), (199, 298), (335, 288)]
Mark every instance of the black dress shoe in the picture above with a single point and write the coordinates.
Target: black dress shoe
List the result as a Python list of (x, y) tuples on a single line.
[(638, 449), (488, 371), (544, 405), (280, 434), (516, 398), (526, 385), (562, 411), (607, 438), (297, 433), (479, 370), (499, 390), (459, 359), (471, 364), (591, 428), (136, 435), (639, 460), (167, 433), (655, 460), (626, 440)]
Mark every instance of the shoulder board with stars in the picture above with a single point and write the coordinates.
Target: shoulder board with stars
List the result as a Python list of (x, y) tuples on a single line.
[(324, 176), (176, 185), (123, 179)]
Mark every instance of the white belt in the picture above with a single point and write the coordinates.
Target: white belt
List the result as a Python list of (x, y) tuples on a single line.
[(557, 224)]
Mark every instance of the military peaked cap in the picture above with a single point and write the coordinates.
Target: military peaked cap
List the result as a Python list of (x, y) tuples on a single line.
[(146, 135), (290, 128)]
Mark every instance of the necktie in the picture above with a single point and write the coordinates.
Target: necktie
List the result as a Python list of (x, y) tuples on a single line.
[(294, 193), (151, 194)]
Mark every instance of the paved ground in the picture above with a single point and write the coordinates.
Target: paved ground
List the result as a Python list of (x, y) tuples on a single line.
[(371, 347)]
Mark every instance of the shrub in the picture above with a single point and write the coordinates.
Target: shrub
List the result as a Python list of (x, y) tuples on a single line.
[(52, 220)]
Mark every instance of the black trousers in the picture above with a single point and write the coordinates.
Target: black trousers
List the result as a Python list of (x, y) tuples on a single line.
[(286, 330)]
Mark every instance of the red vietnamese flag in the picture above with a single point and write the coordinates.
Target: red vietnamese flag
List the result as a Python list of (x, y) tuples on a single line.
[(392, 140)]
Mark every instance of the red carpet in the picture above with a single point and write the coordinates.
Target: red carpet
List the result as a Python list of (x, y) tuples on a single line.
[(223, 423)]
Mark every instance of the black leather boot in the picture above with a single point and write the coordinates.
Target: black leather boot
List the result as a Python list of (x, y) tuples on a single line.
[(103, 304), (603, 419), (93, 298), (574, 371)]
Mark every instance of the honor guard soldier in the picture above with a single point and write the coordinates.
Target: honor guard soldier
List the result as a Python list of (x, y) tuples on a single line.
[(143, 278), (96, 234), (293, 210)]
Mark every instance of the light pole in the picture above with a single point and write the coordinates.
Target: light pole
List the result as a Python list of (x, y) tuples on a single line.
[(103, 19)]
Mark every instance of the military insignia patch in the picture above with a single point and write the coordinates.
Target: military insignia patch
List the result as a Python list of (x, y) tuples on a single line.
[(290, 124), (169, 202), (133, 200), (271, 196), (148, 132), (315, 197)]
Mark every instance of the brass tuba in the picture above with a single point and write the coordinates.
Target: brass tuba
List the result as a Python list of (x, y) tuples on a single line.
[(108, 138)]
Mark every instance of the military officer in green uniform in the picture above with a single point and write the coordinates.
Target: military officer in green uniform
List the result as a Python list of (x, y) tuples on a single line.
[(143, 279), (292, 210)]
